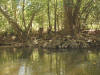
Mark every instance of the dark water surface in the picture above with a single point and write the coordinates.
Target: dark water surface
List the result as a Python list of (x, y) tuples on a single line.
[(30, 61)]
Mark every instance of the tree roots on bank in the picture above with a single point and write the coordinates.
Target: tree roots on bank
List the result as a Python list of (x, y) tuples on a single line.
[(57, 42), (63, 42)]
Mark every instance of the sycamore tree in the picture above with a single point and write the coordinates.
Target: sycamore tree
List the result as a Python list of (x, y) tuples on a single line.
[(77, 12)]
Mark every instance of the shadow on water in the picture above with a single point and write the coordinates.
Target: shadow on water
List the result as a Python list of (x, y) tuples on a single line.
[(30, 61)]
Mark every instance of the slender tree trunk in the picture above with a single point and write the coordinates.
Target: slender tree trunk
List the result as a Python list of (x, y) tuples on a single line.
[(58, 22), (23, 15), (29, 27), (14, 8), (49, 19), (55, 13)]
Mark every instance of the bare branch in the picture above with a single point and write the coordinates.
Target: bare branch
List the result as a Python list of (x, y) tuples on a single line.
[(10, 20)]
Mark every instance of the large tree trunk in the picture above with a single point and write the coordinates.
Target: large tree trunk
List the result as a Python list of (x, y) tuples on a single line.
[(68, 21), (72, 19)]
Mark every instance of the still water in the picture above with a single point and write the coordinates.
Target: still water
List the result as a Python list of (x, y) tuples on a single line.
[(30, 61)]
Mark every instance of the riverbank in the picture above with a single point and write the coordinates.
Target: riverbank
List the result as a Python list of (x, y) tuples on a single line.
[(55, 41)]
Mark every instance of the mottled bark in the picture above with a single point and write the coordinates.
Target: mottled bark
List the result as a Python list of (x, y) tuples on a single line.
[(72, 18), (68, 25)]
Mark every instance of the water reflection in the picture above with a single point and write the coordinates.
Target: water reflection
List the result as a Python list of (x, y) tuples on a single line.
[(30, 61)]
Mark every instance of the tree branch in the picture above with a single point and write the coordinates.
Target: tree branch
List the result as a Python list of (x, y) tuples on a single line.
[(10, 20)]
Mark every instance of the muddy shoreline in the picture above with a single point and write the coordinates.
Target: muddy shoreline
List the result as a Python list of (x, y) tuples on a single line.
[(66, 42)]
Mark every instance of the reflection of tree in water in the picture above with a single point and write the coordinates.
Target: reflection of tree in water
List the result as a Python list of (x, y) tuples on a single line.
[(26, 52), (13, 54), (82, 64), (7, 54), (71, 63), (42, 62)]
